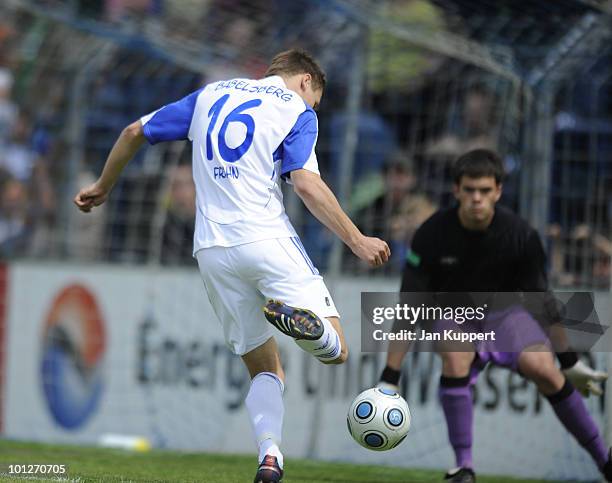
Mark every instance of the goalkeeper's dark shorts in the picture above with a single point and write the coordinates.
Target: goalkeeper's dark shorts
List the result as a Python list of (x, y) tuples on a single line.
[(514, 331)]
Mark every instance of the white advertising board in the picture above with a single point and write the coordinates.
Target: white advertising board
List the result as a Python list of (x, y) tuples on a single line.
[(94, 350)]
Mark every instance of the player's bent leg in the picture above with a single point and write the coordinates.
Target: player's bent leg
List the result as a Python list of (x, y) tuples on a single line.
[(331, 348), (264, 358), (264, 403), (457, 364), (321, 337), (454, 364), (456, 398), (537, 363), (396, 352), (567, 404), (343, 353), (390, 376)]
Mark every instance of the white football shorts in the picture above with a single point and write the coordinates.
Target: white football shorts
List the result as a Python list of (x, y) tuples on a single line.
[(240, 279)]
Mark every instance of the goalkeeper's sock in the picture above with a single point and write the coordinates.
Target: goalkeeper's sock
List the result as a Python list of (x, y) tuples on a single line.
[(264, 403), (572, 412), (390, 376), (327, 347), (456, 399), (389, 379)]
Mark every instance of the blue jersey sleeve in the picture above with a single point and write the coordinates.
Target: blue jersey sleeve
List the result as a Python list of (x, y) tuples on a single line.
[(297, 149), (171, 122)]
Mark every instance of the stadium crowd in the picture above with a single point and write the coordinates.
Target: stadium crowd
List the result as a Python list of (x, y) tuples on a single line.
[(395, 188)]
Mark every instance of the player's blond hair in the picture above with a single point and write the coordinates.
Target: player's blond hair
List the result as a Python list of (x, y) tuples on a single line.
[(297, 61)]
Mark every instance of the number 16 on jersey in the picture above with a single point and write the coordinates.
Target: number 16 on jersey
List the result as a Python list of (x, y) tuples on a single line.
[(230, 155)]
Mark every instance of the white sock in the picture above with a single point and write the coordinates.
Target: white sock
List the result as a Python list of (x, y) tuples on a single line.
[(264, 403), (325, 348)]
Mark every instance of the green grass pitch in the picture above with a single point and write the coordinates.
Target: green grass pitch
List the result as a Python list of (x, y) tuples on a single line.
[(90, 464)]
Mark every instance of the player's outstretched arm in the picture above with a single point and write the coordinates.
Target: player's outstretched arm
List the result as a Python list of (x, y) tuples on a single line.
[(126, 146), (323, 204)]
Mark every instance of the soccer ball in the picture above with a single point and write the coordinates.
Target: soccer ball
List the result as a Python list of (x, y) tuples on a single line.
[(379, 419)]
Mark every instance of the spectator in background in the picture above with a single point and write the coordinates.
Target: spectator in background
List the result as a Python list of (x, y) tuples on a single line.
[(23, 158), (409, 64), (17, 157), (375, 143), (177, 232), (183, 19), (398, 181), (8, 109), (477, 127), (118, 10), (410, 215), (398, 209), (239, 38), (580, 259), (13, 218)]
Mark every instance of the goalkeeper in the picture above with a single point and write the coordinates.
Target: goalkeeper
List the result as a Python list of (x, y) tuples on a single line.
[(480, 247)]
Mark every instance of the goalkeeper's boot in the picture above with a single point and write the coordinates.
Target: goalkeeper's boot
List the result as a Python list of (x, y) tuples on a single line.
[(269, 471), (301, 324), (461, 475), (606, 470)]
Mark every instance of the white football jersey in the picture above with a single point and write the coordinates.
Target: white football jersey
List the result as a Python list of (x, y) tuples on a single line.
[(247, 135)]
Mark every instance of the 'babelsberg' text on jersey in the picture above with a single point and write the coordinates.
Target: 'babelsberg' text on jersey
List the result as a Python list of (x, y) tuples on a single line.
[(247, 135)]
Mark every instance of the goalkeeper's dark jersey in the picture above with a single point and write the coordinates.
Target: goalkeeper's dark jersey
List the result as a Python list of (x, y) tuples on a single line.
[(445, 257)]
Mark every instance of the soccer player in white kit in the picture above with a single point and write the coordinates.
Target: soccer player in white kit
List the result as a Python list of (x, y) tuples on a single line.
[(247, 135)]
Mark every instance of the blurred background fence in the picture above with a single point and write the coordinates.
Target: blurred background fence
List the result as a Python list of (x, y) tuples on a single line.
[(412, 85)]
